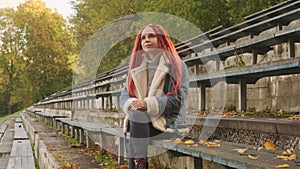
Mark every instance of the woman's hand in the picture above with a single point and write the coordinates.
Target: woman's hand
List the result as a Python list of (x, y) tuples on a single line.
[(138, 105)]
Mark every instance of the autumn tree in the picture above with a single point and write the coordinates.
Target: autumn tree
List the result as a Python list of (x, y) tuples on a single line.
[(47, 47), (11, 59)]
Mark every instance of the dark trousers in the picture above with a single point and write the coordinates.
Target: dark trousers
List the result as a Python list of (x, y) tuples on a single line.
[(141, 131)]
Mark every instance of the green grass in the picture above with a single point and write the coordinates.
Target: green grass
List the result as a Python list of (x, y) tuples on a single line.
[(4, 118), (109, 161), (268, 113), (71, 140)]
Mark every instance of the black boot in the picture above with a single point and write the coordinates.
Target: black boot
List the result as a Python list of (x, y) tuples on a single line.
[(140, 162)]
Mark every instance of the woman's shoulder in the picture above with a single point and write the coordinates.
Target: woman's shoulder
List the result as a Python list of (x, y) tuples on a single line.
[(184, 67)]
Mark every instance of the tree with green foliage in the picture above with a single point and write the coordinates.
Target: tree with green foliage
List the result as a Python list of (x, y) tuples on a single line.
[(48, 44), (34, 50), (11, 48)]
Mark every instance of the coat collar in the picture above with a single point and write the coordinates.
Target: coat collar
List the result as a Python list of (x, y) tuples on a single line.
[(139, 76)]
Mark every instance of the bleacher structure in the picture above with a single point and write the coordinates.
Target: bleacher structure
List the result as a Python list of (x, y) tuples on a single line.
[(211, 58), (259, 34)]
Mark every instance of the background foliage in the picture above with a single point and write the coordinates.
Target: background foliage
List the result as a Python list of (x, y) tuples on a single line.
[(38, 47)]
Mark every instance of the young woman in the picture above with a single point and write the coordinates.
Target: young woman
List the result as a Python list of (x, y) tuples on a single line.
[(155, 92)]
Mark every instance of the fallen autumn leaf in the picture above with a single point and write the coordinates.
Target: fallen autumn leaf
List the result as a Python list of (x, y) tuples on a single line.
[(253, 156), (283, 166), (269, 146)]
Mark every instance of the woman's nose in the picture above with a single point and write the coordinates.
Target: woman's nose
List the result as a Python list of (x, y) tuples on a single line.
[(147, 38)]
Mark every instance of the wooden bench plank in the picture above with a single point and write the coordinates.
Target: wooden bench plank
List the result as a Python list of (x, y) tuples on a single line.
[(3, 128), (21, 163), (12, 162), (93, 127), (21, 155), (21, 148), (28, 162), (18, 120), (288, 66), (114, 131), (20, 133), (88, 126)]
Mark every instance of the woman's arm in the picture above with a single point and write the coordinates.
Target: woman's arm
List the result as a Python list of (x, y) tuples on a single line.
[(126, 100)]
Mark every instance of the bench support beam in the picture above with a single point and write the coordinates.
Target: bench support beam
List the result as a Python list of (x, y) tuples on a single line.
[(254, 57), (202, 96), (121, 150), (242, 95), (81, 136), (291, 48), (88, 140)]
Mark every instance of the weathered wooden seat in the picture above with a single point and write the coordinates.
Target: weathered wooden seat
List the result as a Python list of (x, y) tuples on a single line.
[(3, 127), (20, 133), (21, 155)]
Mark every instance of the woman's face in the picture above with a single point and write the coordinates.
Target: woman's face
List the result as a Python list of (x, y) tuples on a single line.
[(149, 40)]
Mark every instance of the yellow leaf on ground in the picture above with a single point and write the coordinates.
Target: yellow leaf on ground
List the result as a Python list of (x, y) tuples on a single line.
[(241, 150), (213, 144), (260, 148), (287, 152), (67, 164), (296, 117), (292, 157), (178, 141), (189, 142), (283, 157), (288, 155), (253, 156), (192, 145), (283, 166), (269, 146), (210, 143), (203, 142)]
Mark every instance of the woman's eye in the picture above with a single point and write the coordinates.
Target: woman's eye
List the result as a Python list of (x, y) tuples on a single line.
[(151, 36)]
